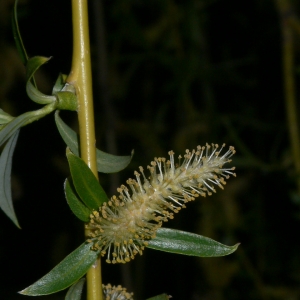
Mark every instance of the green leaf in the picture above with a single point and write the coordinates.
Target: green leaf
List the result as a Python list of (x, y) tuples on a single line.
[(12, 127), (106, 163), (109, 163), (86, 184), (160, 297), (17, 35), (74, 292), (35, 95), (68, 135), (65, 99), (77, 207), (68, 271), (5, 117), (33, 65), (6, 203), (181, 242), (8, 130), (59, 83)]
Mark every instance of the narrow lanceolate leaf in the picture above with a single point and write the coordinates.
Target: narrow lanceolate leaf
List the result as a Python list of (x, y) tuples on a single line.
[(181, 242), (33, 65), (68, 135), (86, 184), (6, 203), (35, 95), (71, 269), (12, 127), (106, 163), (9, 129), (77, 207), (17, 35), (160, 297), (5, 117), (74, 292)]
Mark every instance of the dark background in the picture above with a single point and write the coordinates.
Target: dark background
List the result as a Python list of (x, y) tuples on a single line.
[(167, 75)]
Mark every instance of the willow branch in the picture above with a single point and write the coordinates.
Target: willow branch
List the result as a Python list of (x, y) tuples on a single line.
[(81, 78)]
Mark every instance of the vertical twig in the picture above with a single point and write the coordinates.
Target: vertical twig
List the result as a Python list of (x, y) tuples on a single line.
[(286, 14), (81, 78)]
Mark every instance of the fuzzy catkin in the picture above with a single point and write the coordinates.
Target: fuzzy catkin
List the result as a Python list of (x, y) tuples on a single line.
[(116, 293), (122, 226)]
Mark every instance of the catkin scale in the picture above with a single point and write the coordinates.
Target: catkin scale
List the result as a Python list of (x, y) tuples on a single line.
[(122, 226)]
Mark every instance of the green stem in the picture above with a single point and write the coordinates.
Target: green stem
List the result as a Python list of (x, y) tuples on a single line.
[(81, 78)]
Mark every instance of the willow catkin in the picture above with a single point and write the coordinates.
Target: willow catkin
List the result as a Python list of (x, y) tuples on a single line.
[(116, 293), (122, 226)]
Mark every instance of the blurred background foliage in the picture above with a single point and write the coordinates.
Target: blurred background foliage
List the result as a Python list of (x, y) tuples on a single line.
[(168, 74)]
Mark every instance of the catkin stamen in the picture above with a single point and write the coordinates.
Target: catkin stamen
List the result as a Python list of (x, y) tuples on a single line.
[(116, 293), (121, 227)]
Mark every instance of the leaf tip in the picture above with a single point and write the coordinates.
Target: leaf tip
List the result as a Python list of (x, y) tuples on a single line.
[(68, 152), (234, 248), (23, 292), (236, 245)]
